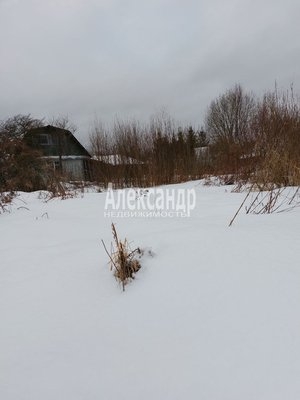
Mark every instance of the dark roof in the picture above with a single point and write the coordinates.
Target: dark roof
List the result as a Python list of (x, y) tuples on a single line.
[(58, 132)]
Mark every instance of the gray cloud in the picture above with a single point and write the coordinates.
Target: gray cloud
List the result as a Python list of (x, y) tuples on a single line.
[(88, 58)]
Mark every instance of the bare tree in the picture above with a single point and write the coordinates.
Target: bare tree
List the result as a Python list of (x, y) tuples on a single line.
[(63, 122), (229, 117), (15, 127), (229, 126)]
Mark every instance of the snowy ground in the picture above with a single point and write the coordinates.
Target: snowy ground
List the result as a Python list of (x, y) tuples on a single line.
[(214, 315)]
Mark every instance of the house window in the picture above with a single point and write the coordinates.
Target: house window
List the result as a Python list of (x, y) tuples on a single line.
[(44, 139)]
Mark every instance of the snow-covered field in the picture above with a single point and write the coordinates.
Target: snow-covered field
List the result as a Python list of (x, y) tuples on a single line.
[(213, 315)]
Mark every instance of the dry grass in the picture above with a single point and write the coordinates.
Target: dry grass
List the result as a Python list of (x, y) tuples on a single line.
[(268, 201), (123, 260), (274, 200)]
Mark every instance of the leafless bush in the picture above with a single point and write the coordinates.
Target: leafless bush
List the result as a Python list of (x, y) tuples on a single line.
[(5, 200), (135, 154), (117, 154), (20, 167), (277, 130), (123, 260), (57, 187)]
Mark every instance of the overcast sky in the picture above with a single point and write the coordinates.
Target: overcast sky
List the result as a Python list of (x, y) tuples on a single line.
[(100, 58)]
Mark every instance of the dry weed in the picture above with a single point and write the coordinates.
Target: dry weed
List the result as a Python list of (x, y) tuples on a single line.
[(123, 260)]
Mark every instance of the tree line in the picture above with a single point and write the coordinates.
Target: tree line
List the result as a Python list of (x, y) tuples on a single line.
[(244, 138), (160, 152)]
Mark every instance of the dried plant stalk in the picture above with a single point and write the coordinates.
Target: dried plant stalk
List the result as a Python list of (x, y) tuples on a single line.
[(123, 260)]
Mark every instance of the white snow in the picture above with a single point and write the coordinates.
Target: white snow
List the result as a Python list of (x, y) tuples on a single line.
[(214, 315), (116, 159)]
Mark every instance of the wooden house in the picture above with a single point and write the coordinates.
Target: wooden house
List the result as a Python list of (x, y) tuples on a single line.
[(60, 148)]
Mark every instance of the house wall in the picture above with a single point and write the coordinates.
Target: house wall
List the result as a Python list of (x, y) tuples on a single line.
[(74, 169)]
